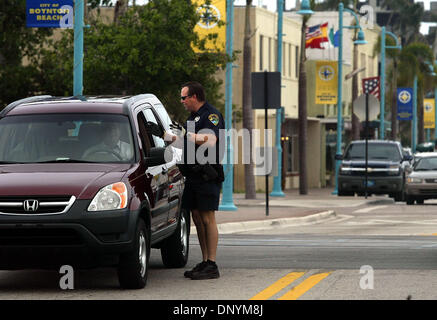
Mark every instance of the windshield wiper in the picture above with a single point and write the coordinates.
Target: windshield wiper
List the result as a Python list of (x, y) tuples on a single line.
[(65, 160)]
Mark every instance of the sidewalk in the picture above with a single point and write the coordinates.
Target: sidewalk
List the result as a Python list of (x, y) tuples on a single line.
[(292, 209)]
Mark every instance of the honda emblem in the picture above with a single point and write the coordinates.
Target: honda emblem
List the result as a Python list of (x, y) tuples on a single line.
[(30, 205)]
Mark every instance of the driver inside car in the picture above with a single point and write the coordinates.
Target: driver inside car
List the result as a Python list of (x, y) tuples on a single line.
[(111, 145)]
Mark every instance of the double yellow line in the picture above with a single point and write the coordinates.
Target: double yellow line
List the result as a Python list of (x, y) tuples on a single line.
[(295, 292)]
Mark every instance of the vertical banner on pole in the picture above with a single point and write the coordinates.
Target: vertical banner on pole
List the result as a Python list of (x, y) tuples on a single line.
[(405, 103), (326, 82), (428, 114), (212, 20)]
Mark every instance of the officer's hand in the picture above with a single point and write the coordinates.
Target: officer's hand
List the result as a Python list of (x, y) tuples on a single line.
[(177, 129), (153, 128)]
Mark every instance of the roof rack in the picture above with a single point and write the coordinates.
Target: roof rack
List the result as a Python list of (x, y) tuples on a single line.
[(12, 105)]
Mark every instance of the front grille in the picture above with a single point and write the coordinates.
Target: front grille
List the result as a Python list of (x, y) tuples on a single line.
[(35, 205), (39, 237), (429, 192), (431, 180)]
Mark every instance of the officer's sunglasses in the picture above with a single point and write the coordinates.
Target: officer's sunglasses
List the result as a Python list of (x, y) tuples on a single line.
[(185, 97)]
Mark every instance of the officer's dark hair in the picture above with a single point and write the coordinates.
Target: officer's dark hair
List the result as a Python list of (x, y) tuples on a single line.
[(195, 88)]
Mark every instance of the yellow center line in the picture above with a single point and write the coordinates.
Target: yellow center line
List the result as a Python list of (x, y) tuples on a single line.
[(277, 286), (303, 287)]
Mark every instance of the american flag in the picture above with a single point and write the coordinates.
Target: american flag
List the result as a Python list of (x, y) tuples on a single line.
[(371, 86)]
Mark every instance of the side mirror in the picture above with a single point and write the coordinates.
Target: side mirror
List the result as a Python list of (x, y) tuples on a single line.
[(158, 156), (338, 157)]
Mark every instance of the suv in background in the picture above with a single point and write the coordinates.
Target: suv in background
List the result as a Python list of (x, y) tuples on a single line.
[(386, 169), (68, 199)]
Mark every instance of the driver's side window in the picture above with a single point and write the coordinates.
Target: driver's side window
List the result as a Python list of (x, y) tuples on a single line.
[(158, 141)]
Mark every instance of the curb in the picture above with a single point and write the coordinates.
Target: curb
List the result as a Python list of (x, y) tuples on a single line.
[(256, 225)]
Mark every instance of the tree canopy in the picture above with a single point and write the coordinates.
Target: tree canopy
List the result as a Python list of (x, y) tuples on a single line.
[(150, 49)]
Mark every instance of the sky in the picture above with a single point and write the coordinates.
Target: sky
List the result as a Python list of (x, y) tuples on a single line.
[(289, 4)]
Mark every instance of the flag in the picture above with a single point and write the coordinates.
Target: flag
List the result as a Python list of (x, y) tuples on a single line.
[(371, 86), (315, 35), (334, 37)]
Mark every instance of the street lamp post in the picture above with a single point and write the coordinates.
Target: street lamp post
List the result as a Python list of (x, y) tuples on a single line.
[(78, 48), (360, 40), (382, 102), (435, 110), (277, 180), (227, 203), (414, 124)]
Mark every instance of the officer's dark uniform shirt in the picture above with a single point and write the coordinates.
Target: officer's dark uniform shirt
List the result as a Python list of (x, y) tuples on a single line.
[(207, 117)]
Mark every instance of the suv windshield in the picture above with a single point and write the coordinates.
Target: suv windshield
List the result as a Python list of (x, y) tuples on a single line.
[(65, 138), (376, 151)]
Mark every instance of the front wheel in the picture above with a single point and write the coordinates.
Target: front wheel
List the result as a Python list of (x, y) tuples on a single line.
[(174, 250), (133, 266)]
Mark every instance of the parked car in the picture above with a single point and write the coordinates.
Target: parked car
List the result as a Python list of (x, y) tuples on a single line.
[(66, 198), (421, 183), (386, 169)]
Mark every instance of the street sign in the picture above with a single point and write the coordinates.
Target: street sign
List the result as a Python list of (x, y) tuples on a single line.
[(49, 13), (266, 90), (360, 107)]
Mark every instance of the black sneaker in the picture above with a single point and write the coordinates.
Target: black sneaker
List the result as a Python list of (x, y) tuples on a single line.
[(210, 271), (197, 268)]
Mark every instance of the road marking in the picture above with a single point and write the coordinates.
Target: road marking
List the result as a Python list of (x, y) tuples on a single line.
[(369, 209), (303, 287), (277, 286)]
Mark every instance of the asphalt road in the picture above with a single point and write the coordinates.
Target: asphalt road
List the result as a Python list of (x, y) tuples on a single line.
[(366, 252)]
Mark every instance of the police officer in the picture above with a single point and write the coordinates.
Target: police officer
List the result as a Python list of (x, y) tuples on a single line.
[(199, 139), (203, 182)]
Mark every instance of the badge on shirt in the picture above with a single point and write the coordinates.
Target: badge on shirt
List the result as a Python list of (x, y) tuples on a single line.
[(196, 118), (214, 119)]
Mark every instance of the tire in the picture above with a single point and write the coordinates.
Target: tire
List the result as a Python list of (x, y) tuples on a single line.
[(175, 249), (398, 196), (133, 266), (420, 201), (409, 200)]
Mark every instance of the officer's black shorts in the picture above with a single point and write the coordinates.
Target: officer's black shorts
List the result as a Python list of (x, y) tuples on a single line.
[(203, 196)]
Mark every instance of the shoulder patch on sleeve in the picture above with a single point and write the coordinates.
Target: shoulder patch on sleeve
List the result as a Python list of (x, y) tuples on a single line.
[(214, 119)]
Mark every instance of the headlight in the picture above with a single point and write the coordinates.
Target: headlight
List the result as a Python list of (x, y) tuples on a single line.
[(414, 180), (393, 170), (111, 197), (345, 169)]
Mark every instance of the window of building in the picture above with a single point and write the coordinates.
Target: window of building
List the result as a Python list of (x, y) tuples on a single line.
[(261, 53), (297, 62), (289, 60), (270, 54)]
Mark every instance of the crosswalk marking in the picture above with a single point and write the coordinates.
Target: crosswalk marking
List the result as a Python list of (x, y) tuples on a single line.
[(303, 287), (277, 286)]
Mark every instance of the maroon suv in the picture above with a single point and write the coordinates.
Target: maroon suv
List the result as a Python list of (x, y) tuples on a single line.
[(83, 183)]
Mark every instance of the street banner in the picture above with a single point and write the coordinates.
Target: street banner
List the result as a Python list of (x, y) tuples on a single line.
[(429, 113), (49, 13), (405, 103), (326, 82), (212, 21)]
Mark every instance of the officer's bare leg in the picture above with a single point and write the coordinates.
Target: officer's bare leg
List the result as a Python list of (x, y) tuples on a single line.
[(210, 225), (201, 234)]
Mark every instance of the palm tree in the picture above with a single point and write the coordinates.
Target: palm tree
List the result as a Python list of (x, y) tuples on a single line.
[(414, 61), (249, 177), (393, 54)]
